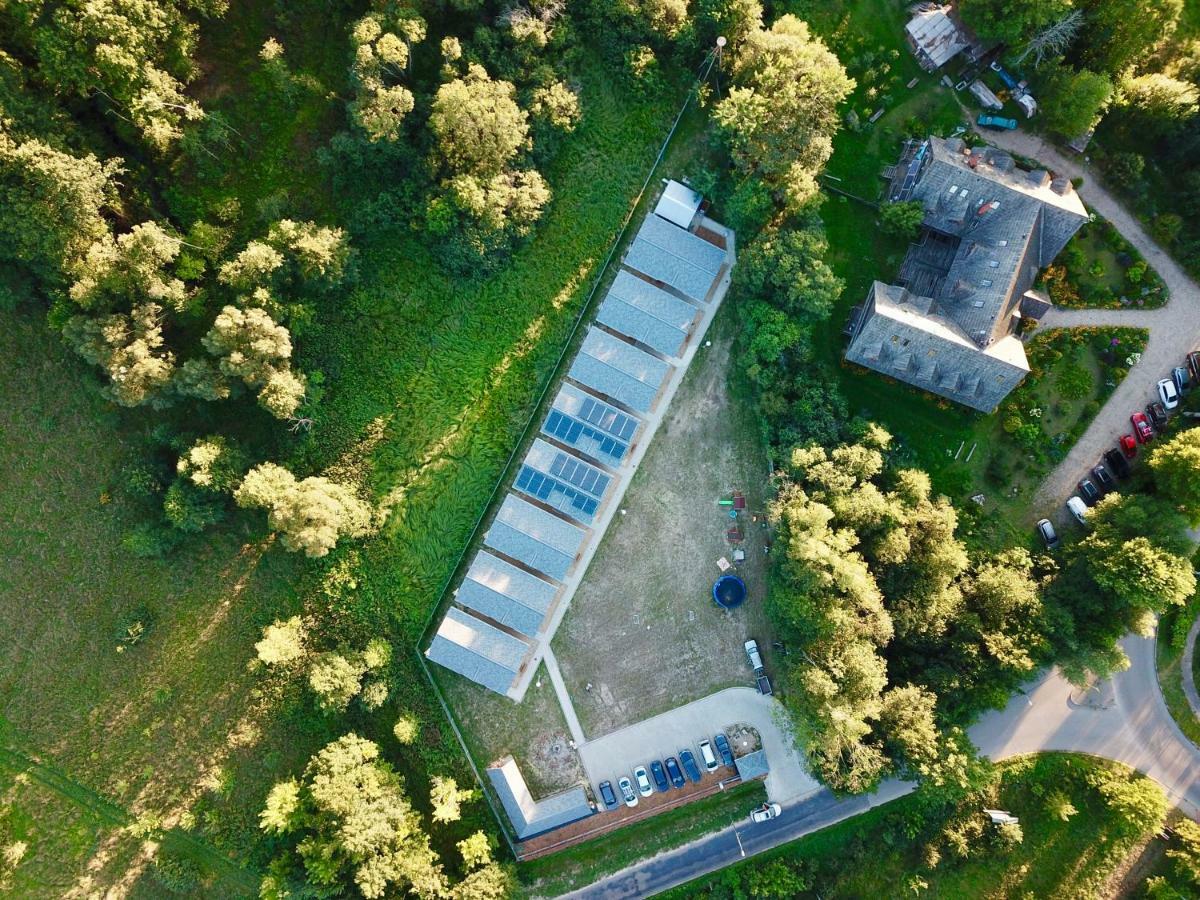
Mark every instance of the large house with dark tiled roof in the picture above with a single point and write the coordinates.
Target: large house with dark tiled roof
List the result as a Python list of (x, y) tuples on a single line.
[(948, 325)]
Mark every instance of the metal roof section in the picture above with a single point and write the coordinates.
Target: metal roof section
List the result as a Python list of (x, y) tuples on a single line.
[(630, 376), (678, 204), (536, 538), (478, 651), (647, 314), (590, 425), (505, 594), (530, 817), (935, 36), (676, 258), (563, 481), (752, 765)]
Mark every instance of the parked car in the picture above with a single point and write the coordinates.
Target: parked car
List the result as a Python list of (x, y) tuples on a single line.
[(643, 781), (722, 744), (1117, 463), (607, 795), (753, 655), (1089, 492), (707, 756), (1046, 530), (1182, 382), (1102, 479), (660, 776), (1128, 446), (1193, 363), (689, 765), (1141, 427), (627, 793), (1078, 509), (999, 122), (766, 812), (1168, 394), (674, 772), (1158, 413)]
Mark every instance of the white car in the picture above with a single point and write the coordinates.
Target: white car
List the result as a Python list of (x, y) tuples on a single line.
[(766, 812), (1168, 394), (643, 781), (1078, 509), (627, 794)]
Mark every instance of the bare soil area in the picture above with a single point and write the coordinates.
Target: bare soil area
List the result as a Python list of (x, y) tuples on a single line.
[(643, 634)]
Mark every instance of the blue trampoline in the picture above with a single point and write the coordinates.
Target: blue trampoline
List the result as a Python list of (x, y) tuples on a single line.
[(729, 591)]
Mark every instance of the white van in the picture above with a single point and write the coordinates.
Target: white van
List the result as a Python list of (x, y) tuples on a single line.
[(706, 754), (1078, 509)]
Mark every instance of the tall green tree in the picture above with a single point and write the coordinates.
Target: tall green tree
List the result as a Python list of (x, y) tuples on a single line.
[(1118, 33), (1176, 468), (1012, 22), (1072, 100), (311, 514)]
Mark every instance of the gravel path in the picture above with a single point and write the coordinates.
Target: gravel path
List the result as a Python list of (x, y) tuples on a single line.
[(1174, 329)]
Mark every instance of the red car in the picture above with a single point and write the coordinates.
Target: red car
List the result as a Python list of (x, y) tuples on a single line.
[(1141, 427), (1128, 446)]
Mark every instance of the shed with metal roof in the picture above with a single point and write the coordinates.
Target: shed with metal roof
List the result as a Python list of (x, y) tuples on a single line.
[(478, 651), (648, 314), (506, 594), (619, 370), (676, 258), (678, 204), (535, 538)]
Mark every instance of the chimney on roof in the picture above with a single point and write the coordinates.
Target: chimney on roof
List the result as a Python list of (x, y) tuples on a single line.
[(1039, 178), (1062, 186)]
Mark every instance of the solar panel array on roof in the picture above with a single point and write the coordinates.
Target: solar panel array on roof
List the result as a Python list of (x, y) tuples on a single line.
[(590, 425), (620, 370), (506, 594), (675, 257), (538, 539), (476, 650), (647, 314), (562, 481)]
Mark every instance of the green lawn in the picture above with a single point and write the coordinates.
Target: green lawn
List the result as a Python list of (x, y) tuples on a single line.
[(587, 862), (1092, 271), (1172, 627), (876, 854)]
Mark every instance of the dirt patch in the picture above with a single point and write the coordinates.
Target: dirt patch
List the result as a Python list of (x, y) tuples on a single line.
[(643, 634), (743, 739)]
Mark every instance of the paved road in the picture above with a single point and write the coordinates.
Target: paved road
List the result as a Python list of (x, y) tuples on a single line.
[(1174, 329), (619, 752), (1189, 673)]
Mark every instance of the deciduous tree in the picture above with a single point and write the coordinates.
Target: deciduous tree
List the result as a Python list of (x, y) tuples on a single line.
[(311, 514)]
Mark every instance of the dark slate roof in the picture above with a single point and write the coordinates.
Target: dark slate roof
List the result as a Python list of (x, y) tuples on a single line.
[(675, 257), (900, 336), (476, 650), (563, 481), (536, 538), (647, 314), (506, 594), (619, 370), (752, 765), (530, 817), (590, 425)]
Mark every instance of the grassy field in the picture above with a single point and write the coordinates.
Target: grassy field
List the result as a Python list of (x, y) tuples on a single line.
[(872, 856), (647, 595), (577, 866), (1172, 626), (429, 381)]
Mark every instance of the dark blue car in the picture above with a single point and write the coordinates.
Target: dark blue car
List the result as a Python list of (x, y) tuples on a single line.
[(722, 744), (660, 777), (689, 765), (673, 771), (607, 795)]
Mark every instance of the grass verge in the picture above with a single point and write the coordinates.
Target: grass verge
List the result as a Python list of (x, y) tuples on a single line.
[(1172, 627)]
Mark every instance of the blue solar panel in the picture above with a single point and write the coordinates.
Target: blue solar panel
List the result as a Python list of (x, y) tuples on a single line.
[(572, 431), (558, 493)]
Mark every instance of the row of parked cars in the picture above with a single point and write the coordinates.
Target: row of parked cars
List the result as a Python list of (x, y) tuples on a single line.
[(669, 773), (1116, 463)]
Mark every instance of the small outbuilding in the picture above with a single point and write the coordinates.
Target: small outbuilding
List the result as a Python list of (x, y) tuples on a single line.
[(478, 651), (531, 817), (934, 37), (678, 204), (752, 765)]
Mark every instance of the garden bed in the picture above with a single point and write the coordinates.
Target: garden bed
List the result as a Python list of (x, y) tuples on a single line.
[(1100, 269)]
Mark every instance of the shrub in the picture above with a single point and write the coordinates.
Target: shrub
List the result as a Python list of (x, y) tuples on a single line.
[(1075, 382)]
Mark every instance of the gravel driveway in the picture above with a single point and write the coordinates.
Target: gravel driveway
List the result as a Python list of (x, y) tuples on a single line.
[(1174, 329)]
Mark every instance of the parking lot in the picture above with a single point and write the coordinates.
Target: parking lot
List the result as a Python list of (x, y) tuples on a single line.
[(617, 754)]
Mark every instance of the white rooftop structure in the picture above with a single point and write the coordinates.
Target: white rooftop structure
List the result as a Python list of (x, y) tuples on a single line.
[(535, 538), (474, 649), (506, 594), (678, 204)]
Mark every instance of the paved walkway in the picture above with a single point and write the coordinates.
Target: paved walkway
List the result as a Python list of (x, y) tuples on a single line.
[(564, 699), (619, 752), (1189, 673), (1174, 329)]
